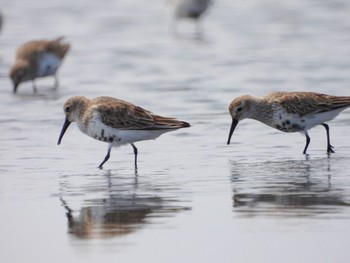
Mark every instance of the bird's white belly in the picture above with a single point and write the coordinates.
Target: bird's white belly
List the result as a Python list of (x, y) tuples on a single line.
[(293, 123), (117, 137), (316, 119), (48, 64)]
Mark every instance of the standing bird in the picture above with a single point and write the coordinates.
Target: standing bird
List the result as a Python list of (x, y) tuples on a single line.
[(116, 122), (289, 111), (37, 59), (189, 9)]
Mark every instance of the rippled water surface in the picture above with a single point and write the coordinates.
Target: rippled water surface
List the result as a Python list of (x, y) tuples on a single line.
[(193, 198)]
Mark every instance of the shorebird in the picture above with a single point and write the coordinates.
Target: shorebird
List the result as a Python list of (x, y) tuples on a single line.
[(189, 9), (116, 122), (289, 111), (37, 59)]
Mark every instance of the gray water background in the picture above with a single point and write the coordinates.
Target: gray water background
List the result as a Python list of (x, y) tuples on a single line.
[(194, 199)]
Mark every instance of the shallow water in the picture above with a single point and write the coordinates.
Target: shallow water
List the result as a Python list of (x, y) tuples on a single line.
[(193, 198)]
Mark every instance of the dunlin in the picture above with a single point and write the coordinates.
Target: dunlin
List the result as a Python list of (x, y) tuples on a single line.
[(37, 59), (189, 9), (116, 122), (289, 111)]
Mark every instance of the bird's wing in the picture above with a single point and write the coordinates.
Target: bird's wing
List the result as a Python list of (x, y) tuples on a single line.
[(30, 49), (124, 115), (304, 103), (58, 47)]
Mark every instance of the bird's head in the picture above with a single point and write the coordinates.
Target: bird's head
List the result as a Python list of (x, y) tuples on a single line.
[(19, 73), (73, 109), (239, 109)]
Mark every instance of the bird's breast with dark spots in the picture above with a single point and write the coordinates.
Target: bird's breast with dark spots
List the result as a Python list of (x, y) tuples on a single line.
[(288, 126), (106, 138)]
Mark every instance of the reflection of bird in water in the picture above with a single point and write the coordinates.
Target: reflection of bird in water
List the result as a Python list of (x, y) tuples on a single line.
[(189, 9), (109, 217), (284, 189), (123, 206)]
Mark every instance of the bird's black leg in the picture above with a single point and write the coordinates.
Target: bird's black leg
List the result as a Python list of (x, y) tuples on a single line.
[(34, 87), (56, 83), (135, 152), (106, 158), (307, 142), (329, 146)]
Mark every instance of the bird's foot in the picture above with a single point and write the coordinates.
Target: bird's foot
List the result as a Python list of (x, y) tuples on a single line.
[(330, 149)]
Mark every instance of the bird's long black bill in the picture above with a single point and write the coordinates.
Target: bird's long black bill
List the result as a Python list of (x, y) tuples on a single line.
[(15, 86), (233, 126), (64, 128)]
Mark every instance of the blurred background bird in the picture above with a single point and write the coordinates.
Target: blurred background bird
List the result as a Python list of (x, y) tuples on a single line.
[(37, 59), (190, 10)]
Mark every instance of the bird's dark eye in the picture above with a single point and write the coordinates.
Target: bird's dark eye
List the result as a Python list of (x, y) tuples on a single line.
[(239, 109), (67, 109)]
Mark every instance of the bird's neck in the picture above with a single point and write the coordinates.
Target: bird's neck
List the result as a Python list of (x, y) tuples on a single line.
[(81, 109), (261, 111)]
